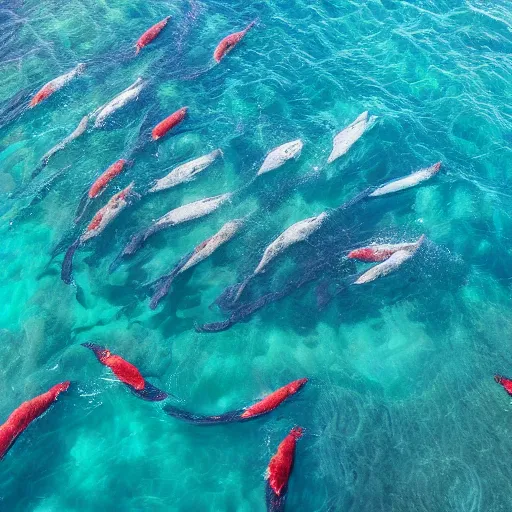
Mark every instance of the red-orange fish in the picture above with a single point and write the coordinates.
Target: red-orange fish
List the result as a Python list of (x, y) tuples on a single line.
[(279, 469), (25, 414), (99, 185), (169, 123), (127, 373), (229, 42), (150, 34), (506, 383), (264, 406)]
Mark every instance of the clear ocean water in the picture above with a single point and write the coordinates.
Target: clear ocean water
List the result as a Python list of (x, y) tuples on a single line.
[(401, 412)]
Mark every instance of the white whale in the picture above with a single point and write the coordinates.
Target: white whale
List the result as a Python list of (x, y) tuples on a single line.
[(280, 155), (297, 232), (185, 172), (118, 102), (79, 130), (348, 136), (409, 181)]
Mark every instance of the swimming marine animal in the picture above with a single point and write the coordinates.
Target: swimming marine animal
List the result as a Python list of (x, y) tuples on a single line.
[(297, 232), (264, 406), (79, 130), (408, 181), (25, 414), (381, 252), (280, 155), (55, 84), (116, 204), (390, 265), (344, 140), (185, 172), (229, 42), (127, 373), (99, 186), (200, 253), (129, 94), (506, 383), (150, 34), (177, 216), (279, 470), (169, 123)]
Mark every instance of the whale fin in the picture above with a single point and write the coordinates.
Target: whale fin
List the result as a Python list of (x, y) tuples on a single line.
[(150, 393), (67, 264), (84, 203), (198, 419)]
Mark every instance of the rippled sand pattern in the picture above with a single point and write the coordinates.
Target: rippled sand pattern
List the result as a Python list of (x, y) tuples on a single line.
[(401, 412)]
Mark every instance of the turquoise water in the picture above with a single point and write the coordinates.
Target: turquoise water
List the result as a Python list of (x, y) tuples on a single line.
[(401, 412)]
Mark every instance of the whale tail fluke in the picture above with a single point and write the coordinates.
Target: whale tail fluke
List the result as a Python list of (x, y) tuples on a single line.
[(67, 264), (199, 419), (84, 203), (151, 393)]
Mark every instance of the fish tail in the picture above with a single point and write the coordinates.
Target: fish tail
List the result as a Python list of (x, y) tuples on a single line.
[(38, 169), (151, 393), (136, 242), (498, 379), (241, 288), (275, 503), (67, 264), (253, 22), (199, 419), (359, 197), (84, 203), (215, 326), (162, 289), (97, 349)]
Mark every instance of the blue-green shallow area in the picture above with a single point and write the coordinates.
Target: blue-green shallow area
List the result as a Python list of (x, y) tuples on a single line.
[(401, 412)]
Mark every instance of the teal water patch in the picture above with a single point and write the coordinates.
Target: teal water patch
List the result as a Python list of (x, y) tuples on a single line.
[(401, 412)]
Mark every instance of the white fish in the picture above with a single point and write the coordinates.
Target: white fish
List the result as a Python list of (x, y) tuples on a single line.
[(116, 204), (210, 245), (280, 155), (409, 181), (191, 211), (297, 232), (118, 102), (79, 130), (390, 265), (100, 221), (380, 252), (54, 85), (179, 215), (200, 253), (347, 137), (185, 172)]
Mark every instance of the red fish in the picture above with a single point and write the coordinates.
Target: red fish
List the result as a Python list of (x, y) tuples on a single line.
[(150, 34), (25, 414), (42, 94), (279, 469), (375, 253), (127, 373), (99, 185), (268, 404), (229, 42), (169, 123), (506, 383)]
